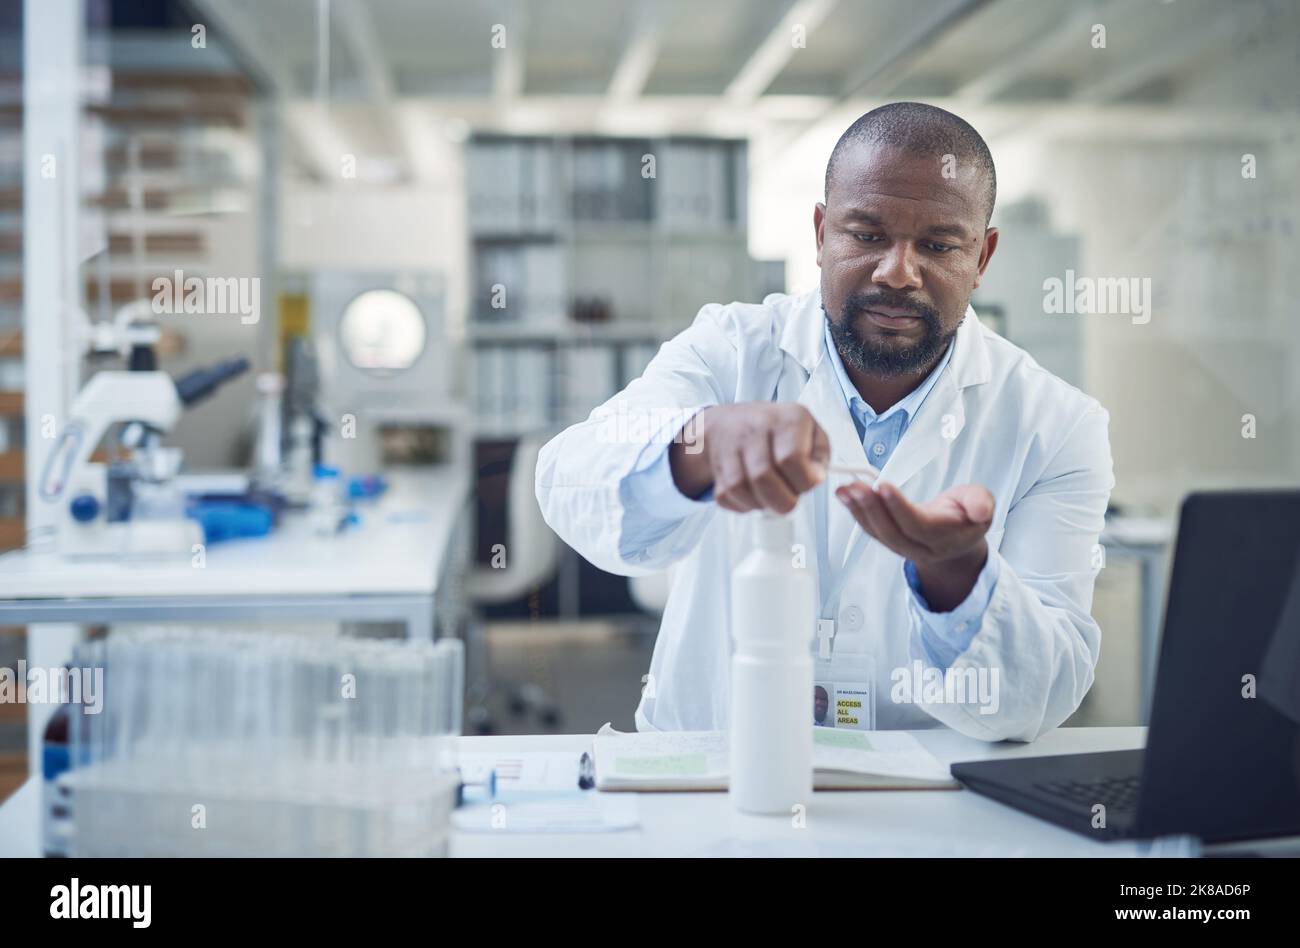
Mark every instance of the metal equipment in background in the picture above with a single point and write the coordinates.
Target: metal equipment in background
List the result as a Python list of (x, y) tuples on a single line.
[(388, 377)]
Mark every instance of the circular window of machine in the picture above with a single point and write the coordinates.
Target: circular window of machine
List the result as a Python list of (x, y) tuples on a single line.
[(382, 331)]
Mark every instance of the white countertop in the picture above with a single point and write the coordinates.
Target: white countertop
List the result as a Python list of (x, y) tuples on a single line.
[(875, 823), (397, 548), (1154, 532)]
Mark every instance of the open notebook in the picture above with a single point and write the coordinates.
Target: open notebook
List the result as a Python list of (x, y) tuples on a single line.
[(698, 760)]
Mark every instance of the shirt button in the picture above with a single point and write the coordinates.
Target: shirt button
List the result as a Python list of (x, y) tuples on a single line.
[(878, 448), (961, 626), (852, 618)]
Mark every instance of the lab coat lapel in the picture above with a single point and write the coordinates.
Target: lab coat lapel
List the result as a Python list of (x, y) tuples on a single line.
[(942, 416), (824, 398), (937, 424)]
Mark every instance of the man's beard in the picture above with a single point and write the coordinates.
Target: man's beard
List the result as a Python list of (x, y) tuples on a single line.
[(882, 359)]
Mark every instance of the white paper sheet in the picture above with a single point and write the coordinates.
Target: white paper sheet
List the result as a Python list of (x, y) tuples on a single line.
[(700, 759), (578, 811)]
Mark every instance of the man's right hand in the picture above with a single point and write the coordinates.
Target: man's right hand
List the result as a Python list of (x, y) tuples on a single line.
[(756, 455)]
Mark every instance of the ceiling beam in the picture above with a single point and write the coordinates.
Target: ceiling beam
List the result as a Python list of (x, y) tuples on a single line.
[(776, 50), (640, 52), (357, 28), (246, 41), (566, 114), (508, 62), (883, 73), (1090, 98), (1183, 46), (1018, 63), (1023, 60)]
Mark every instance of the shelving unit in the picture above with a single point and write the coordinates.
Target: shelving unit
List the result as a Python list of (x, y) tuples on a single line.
[(168, 167), (13, 520), (12, 456), (587, 252)]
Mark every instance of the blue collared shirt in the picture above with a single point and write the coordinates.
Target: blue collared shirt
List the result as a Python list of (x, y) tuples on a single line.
[(653, 506), (881, 433)]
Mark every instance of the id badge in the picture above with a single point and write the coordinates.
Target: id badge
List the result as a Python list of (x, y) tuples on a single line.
[(844, 692)]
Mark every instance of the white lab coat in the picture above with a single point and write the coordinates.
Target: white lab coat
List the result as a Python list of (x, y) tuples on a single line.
[(995, 418)]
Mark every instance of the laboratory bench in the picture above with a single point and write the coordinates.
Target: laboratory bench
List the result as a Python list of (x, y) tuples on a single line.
[(837, 823), (405, 561), (385, 569)]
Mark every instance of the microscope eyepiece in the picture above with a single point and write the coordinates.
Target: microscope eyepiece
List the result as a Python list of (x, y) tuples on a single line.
[(201, 383)]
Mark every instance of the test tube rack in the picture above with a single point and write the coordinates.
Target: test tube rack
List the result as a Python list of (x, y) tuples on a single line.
[(220, 743)]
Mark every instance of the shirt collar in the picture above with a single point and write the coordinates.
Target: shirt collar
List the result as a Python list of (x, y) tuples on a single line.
[(908, 405)]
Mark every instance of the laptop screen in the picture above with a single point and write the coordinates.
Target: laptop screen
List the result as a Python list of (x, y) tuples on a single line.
[(1223, 750)]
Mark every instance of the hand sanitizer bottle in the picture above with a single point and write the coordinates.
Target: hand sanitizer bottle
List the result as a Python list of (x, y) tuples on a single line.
[(773, 606)]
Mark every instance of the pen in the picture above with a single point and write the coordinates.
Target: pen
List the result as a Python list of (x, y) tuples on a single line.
[(487, 787)]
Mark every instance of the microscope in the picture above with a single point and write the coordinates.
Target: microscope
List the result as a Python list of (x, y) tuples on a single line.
[(127, 506)]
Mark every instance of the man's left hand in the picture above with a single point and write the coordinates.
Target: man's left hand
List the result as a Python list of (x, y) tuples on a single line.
[(943, 537)]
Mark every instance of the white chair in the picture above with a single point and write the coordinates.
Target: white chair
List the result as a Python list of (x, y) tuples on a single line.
[(651, 592), (532, 555), (532, 550)]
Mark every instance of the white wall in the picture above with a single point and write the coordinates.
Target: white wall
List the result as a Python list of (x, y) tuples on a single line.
[(419, 226), (1218, 345), (377, 228)]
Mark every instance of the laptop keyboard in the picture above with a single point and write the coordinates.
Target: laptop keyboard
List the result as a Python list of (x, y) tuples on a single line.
[(1117, 793)]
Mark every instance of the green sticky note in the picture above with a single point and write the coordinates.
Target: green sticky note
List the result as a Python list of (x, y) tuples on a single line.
[(849, 740), (666, 765)]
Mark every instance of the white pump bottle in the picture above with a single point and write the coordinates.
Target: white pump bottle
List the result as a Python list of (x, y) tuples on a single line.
[(773, 606)]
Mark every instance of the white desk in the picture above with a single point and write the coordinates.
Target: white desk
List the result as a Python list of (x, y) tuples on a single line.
[(915, 823), (404, 562), (385, 569)]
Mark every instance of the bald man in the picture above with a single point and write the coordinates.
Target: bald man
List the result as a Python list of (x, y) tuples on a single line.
[(956, 588)]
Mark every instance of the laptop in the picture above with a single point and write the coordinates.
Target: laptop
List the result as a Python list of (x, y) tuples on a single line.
[(1218, 764)]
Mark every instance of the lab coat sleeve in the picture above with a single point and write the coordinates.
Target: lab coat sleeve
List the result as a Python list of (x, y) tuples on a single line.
[(945, 635), (652, 504), (1033, 657), (581, 472)]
